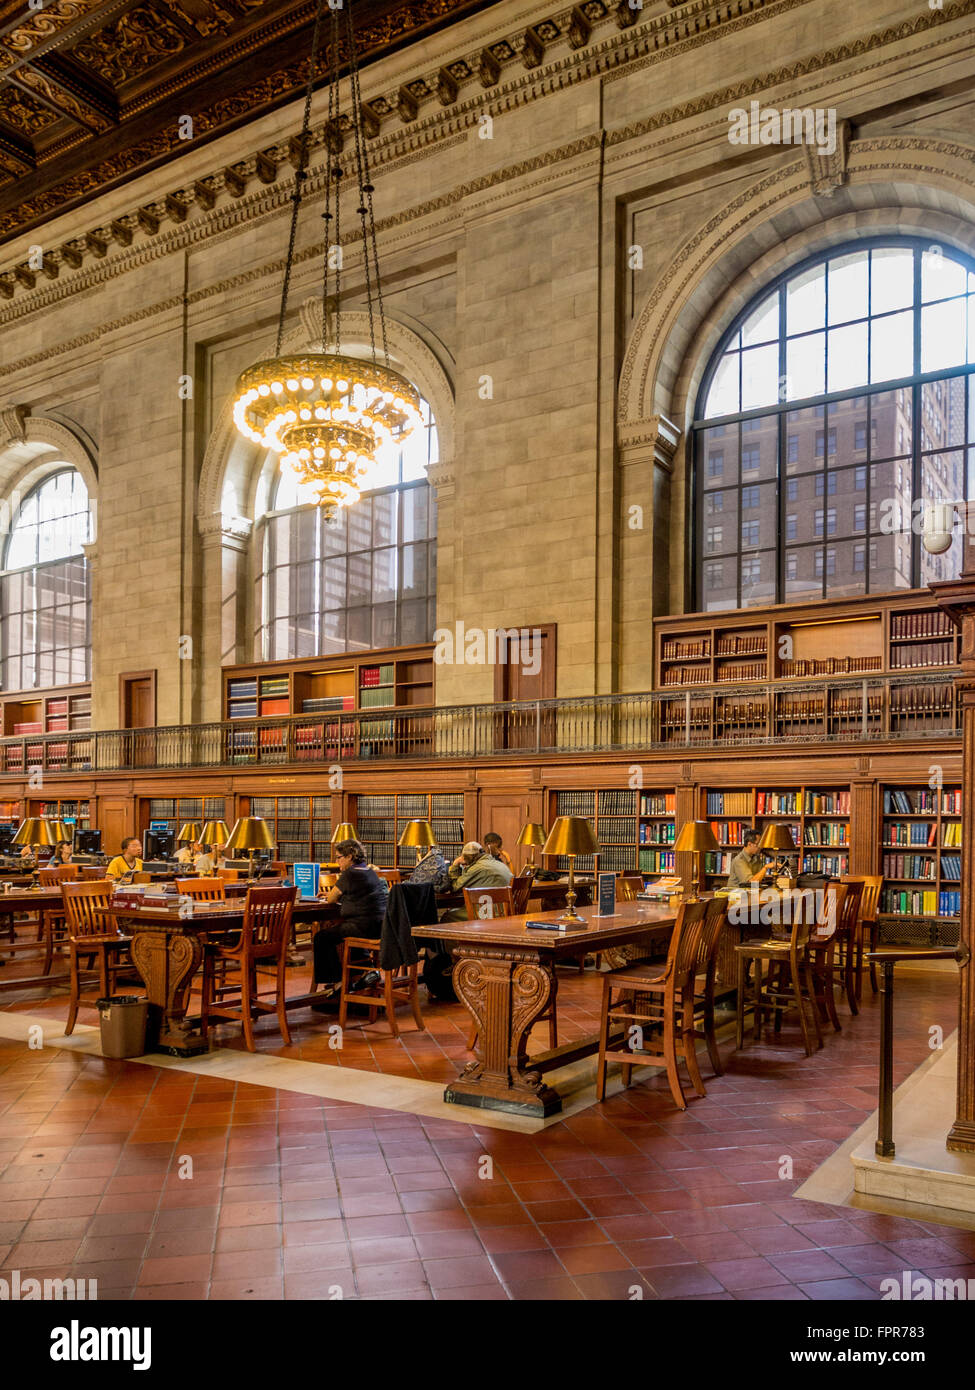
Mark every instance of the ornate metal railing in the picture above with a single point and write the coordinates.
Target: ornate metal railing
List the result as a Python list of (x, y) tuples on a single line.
[(778, 714)]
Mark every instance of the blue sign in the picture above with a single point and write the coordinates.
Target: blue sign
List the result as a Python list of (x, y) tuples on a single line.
[(157, 826), (306, 879), (607, 895)]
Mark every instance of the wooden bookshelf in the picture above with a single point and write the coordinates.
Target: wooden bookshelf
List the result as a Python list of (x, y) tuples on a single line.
[(301, 826), (390, 678), (888, 633), (73, 811), (818, 817), (178, 811), (381, 819), (920, 848), (67, 710), (635, 829)]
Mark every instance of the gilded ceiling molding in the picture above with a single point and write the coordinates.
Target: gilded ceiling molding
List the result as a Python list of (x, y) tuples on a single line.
[(938, 165)]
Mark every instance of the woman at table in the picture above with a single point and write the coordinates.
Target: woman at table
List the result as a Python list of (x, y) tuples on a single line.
[(62, 853), (361, 896)]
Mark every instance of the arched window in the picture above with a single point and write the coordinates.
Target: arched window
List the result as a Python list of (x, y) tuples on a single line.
[(366, 579), (45, 604), (839, 403)]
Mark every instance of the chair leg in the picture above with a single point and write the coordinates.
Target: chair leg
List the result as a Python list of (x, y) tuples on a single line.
[(280, 1001), (710, 1037), (344, 987), (670, 1059), (103, 985), (603, 1040), (757, 964), (207, 993), (740, 1005), (849, 978), (248, 987), (796, 985), (415, 999), (810, 992), (873, 964), (830, 986), (48, 944), (390, 1002), (688, 1040), (73, 994)]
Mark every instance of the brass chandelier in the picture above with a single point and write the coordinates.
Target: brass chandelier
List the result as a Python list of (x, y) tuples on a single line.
[(328, 414)]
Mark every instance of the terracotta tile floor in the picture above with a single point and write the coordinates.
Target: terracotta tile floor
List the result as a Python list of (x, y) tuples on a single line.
[(292, 1196)]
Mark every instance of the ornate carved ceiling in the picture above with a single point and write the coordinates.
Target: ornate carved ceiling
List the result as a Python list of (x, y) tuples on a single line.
[(92, 91)]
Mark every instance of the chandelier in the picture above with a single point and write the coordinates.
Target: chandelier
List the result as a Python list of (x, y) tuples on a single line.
[(325, 413)]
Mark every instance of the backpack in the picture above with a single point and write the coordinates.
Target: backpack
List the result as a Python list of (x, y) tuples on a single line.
[(437, 970)]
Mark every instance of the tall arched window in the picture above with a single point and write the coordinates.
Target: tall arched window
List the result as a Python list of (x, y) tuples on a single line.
[(366, 579), (45, 604), (838, 404)]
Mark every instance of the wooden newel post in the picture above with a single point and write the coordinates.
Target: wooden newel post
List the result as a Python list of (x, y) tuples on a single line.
[(957, 598)]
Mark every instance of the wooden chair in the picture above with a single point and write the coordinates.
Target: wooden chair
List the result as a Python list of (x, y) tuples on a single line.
[(53, 924), (390, 875), (203, 890), (501, 904), (228, 875), (707, 966), (92, 935), (662, 998), (521, 888), (141, 877), (264, 937), (400, 986), (832, 949), (627, 887), (60, 873), (868, 927), (790, 981), (91, 873)]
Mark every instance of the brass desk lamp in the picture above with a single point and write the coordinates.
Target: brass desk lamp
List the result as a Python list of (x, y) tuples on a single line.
[(571, 835), (696, 837), (777, 839), (532, 834), (250, 833)]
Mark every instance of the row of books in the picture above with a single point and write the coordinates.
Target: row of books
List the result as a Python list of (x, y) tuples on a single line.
[(800, 711), (826, 833), (951, 867), (657, 804), (615, 861), (830, 666), (729, 803), (379, 698), (657, 861), (617, 803), (830, 864), (917, 801), (616, 832), (274, 685), (687, 675), (913, 655), (920, 902), (931, 623), (922, 700), (678, 651), (242, 689), (915, 832), (729, 832), (376, 675), (910, 866), (737, 671), (575, 803), (657, 833), (951, 834), (242, 709), (754, 645), (327, 704), (827, 803), (776, 803)]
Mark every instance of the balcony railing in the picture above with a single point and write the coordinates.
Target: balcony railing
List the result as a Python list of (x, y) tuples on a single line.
[(779, 714)]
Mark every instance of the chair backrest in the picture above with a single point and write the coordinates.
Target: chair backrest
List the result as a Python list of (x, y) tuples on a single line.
[(92, 872), (482, 903), (142, 877), (228, 875), (81, 899), (266, 929), (203, 890), (833, 902), (849, 909), (627, 887), (60, 873), (390, 875), (872, 884), (714, 923), (685, 939), (521, 888)]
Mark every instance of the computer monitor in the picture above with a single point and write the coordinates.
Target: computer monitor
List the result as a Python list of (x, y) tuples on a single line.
[(158, 844), (88, 841), (7, 833)]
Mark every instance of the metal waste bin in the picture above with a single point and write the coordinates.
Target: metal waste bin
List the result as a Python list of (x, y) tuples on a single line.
[(123, 1025)]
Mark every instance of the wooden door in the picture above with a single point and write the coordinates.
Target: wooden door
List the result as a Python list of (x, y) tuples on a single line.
[(528, 674), (505, 815), (137, 711)]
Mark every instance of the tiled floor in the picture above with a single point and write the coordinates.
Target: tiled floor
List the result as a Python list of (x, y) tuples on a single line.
[(296, 1196)]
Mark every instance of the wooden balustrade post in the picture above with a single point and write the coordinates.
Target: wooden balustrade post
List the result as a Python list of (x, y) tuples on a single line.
[(957, 598)]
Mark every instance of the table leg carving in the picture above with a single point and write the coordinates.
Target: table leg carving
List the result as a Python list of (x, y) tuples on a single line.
[(167, 962), (504, 995)]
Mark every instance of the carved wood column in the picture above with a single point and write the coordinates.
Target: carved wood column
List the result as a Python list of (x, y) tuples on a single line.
[(687, 803), (864, 821), (957, 598)]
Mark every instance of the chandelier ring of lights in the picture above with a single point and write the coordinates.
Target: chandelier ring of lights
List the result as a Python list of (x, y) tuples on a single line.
[(327, 414)]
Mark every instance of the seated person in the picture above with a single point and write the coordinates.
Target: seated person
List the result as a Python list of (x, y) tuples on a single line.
[(184, 855), (748, 864), (62, 853), (361, 895), (129, 862), (203, 861), (493, 845), (431, 868), (475, 868)]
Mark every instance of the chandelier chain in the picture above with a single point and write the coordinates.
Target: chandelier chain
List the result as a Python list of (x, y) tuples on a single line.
[(361, 173), (300, 172)]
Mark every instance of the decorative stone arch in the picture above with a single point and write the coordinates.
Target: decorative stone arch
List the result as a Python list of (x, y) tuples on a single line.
[(31, 446), (236, 478), (888, 186)]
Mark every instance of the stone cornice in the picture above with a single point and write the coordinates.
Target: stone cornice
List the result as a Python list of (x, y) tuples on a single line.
[(655, 437), (649, 40)]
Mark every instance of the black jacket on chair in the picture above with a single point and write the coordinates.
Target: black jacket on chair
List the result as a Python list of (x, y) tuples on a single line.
[(408, 905)]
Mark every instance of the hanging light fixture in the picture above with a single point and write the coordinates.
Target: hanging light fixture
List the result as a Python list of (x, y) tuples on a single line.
[(328, 414)]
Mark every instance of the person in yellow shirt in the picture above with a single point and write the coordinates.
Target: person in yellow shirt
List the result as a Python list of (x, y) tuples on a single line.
[(128, 862)]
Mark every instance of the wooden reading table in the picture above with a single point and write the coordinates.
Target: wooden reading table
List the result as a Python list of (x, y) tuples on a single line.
[(504, 974)]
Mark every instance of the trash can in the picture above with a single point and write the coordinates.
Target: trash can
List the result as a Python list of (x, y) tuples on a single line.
[(123, 1025)]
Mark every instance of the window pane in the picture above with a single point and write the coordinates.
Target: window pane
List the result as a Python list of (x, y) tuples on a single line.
[(757, 578), (847, 357), (848, 288), (720, 447), (805, 366), (723, 397), (842, 576), (759, 377), (384, 575), (891, 280), (384, 519), (803, 578), (805, 301), (891, 416), (384, 625), (892, 347), (762, 326), (415, 511), (943, 331), (941, 277)]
